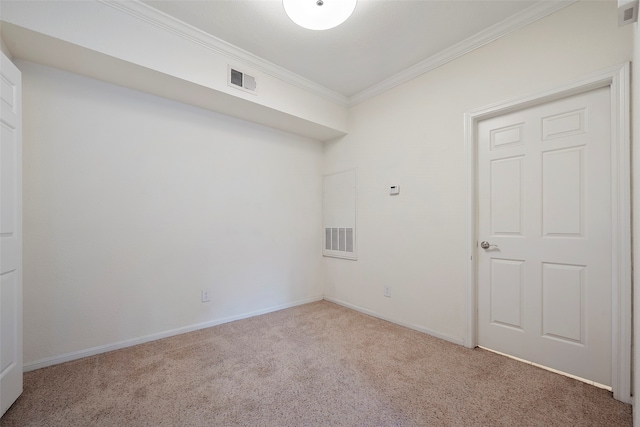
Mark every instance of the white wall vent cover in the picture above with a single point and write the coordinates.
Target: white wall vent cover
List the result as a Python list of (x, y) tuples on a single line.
[(339, 215), (241, 80), (627, 12), (339, 239)]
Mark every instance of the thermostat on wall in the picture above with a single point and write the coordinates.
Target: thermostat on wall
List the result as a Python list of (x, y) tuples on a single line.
[(395, 189)]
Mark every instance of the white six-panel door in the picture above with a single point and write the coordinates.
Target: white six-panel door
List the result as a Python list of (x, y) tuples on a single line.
[(10, 234), (544, 183)]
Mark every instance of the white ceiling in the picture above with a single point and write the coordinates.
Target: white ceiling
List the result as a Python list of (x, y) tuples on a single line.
[(381, 39)]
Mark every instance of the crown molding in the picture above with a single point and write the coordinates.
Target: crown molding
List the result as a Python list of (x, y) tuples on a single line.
[(526, 17), (168, 23)]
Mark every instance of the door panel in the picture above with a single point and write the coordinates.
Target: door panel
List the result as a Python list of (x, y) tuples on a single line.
[(563, 307), (507, 284), (563, 125), (506, 196), (562, 192), (10, 235), (544, 183)]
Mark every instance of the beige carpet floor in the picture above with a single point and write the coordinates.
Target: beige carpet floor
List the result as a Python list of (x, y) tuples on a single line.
[(319, 364)]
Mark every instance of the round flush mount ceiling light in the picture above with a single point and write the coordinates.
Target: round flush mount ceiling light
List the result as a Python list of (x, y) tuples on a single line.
[(319, 14)]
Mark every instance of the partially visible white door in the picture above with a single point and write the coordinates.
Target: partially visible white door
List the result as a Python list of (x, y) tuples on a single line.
[(544, 200), (10, 234)]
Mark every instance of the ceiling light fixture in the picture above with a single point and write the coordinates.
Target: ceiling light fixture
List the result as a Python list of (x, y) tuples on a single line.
[(319, 14)]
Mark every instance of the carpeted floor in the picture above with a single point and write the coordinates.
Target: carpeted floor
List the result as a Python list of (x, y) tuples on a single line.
[(314, 365)]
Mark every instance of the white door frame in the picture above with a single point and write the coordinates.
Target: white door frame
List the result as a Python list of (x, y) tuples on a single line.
[(11, 377), (617, 78)]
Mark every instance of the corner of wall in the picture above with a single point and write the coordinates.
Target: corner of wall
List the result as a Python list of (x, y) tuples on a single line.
[(5, 49)]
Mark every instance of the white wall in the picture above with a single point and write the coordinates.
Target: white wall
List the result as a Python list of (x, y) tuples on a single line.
[(412, 136), (116, 31), (133, 204), (5, 49)]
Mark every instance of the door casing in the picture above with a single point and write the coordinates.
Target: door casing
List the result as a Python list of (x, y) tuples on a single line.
[(617, 79), (11, 377)]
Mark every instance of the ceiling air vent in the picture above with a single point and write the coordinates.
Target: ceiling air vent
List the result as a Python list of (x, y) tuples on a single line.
[(241, 80)]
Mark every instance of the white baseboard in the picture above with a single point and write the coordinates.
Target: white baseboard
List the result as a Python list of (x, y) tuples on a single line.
[(49, 361), (427, 331)]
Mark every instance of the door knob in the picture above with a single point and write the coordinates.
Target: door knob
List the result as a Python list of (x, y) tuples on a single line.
[(487, 245)]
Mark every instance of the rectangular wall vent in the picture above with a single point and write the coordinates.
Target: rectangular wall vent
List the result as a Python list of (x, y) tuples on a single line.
[(627, 12), (241, 80), (338, 239)]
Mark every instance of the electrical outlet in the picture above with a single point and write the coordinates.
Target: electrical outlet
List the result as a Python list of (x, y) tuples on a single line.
[(387, 291), (205, 295)]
